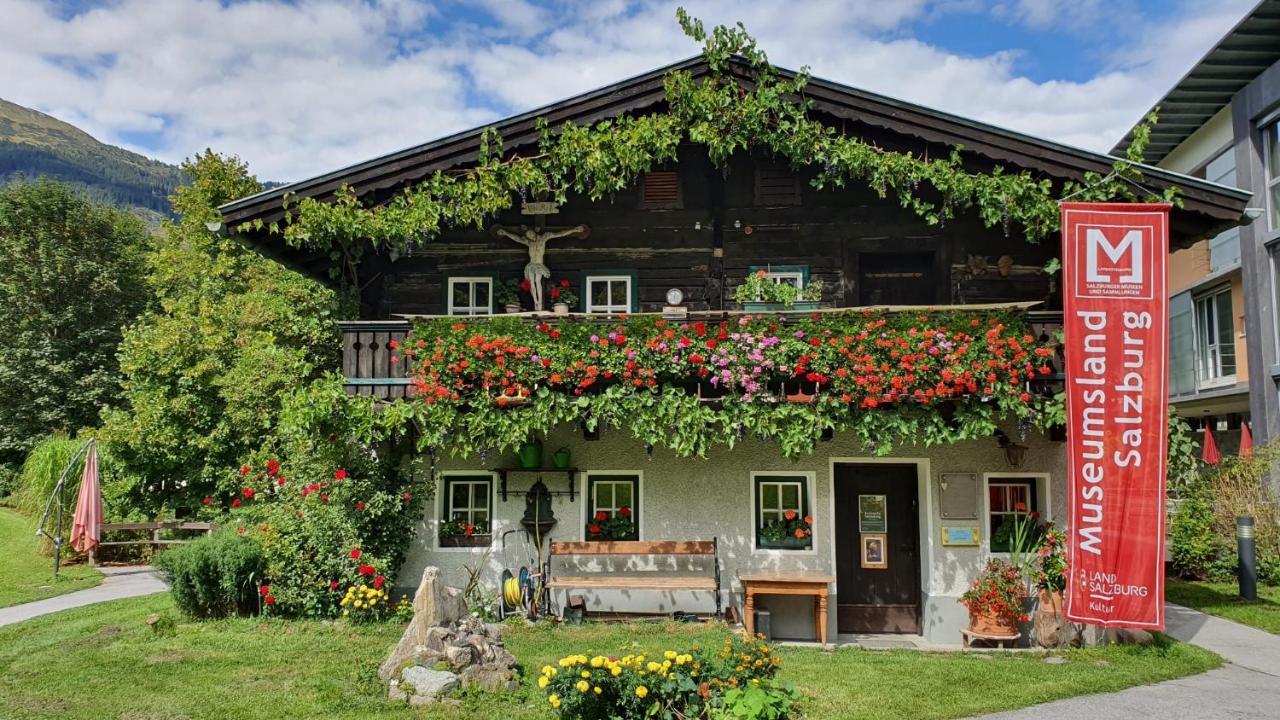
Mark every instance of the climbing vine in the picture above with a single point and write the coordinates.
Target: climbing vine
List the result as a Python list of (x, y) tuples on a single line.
[(768, 112)]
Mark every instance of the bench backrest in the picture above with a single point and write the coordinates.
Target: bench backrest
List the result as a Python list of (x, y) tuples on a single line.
[(636, 547), (201, 526)]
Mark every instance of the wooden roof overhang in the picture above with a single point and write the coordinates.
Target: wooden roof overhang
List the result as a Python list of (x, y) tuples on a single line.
[(1207, 207)]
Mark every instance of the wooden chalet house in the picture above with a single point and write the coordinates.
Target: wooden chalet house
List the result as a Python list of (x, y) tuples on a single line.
[(701, 230)]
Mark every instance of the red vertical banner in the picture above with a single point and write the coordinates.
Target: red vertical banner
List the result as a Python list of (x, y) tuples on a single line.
[(1116, 331)]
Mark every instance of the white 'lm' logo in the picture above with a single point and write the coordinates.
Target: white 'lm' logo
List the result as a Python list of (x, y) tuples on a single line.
[(1131, 242)]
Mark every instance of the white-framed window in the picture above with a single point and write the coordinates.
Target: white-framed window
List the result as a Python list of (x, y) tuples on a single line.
[(613, 496), (1224, 249), (1009, 497), (466, 511), (1215, 338), (608, 293), (470, 295), (1271, 146), (781, 506)]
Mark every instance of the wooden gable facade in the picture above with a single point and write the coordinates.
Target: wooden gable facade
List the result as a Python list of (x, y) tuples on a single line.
[(701, 228)]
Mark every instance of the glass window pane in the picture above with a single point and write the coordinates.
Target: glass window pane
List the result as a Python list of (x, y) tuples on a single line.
[(480, 496), (461, 294), (461, 495), (1275, 205), (769, 496), (599, 292), (622, 494), (1273, 150), (618, 294), (480, 516), (482, 295), (1222, 169), (1224, 249), (790, 497), (1021, 494), (604, 496), (997, 497)]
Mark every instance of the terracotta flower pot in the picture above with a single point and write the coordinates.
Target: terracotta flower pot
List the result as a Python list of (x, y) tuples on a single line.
[(1049, 601), (991, 624)]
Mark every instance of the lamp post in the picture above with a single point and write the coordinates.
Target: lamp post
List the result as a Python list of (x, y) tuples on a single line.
[(1248, 558)]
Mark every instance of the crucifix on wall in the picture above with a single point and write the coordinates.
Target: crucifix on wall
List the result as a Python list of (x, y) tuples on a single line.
[(535, 238)]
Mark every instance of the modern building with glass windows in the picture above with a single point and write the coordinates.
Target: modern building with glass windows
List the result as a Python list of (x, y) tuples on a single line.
[(1221, 122)]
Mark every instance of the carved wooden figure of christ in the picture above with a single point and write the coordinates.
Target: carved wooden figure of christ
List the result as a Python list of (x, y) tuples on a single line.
[(535, 238)]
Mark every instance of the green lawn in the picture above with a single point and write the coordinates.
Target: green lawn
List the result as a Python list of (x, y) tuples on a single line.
[(104, 661), (25, 574), (1223, 600)]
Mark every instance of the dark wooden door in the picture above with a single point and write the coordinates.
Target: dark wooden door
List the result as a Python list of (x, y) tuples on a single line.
[(878, 599), (897, 279)]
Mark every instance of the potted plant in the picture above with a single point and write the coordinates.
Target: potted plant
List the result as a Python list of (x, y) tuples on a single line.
[(792, 532), (759, 292), (1049, 569), (508, 295), (563, 297), (995, 599), (618, 526), (460, 533)]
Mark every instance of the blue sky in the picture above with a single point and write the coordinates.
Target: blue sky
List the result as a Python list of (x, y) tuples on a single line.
[(298, 88)]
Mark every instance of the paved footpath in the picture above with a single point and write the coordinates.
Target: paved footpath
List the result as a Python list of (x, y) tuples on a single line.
[(1247, 686), (120, 583)]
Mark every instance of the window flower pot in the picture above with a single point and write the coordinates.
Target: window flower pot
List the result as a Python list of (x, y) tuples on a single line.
[(799, 305), (787, 543), (464, 541), (513, 307), (601, 537), (560, 308)]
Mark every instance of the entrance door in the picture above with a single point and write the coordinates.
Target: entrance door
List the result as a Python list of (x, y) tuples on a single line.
[(877, 549), (897, 279)]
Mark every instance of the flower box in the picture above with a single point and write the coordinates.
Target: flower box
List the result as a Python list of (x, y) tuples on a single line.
[(476, 540), (798, 306), (786, 543), (601, 537)]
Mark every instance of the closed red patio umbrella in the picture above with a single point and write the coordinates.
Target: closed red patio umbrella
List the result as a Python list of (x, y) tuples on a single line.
[(1246, 441), (1210, 454), (86, 528)]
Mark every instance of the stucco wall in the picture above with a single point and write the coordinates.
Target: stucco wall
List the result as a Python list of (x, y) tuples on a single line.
[(683, 498)]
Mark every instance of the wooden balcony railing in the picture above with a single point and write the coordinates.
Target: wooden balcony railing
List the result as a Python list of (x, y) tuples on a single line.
[(366, 359), (367, 366)]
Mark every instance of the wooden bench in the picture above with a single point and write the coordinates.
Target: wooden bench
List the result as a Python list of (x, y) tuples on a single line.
[(154, 528), (637, 580)]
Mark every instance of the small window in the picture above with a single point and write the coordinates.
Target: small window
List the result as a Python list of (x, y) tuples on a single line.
[(613, 507), (1215, 339), (660, 190), (796, 275), (470, 295), (1007, 500), (608, 293), (468, 510), (776, 185), (782, 519)]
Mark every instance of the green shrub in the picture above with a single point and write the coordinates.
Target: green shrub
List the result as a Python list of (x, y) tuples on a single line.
[(39, 476), (215, 576)]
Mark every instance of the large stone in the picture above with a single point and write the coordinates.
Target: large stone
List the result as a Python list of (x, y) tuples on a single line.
[(428, 682), (434, 606), (459, 657), (488, 678), (1125, 636), (1051, 630)]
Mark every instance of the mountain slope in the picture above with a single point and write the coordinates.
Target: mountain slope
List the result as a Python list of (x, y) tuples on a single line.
[(34, 144)]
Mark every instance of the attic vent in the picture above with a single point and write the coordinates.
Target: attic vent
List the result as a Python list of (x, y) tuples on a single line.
[(660, 190), (777, 185)]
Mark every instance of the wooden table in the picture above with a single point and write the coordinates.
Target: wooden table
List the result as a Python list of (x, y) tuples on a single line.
[(785, 583)]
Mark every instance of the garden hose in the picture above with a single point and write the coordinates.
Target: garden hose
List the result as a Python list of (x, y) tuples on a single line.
[(512, 592)]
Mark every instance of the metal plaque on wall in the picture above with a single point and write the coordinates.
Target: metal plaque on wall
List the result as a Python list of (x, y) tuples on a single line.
[(958, 494)]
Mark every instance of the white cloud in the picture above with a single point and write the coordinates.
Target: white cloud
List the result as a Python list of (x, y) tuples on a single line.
[(303, 88)]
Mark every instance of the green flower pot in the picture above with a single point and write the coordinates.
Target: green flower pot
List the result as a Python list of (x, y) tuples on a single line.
[(799, 306), (561, 458)]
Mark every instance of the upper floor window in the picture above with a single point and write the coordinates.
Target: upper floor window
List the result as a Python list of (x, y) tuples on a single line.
[(1215, 338), (469, 295), (1224, 250), (1271, 140), (609, 293)]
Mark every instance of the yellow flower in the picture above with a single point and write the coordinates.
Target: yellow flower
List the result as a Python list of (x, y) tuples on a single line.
[(597, 661), (670, 654), (615, 671), (653, 667), (566, 662), (544, 681), (641, 691), (586, 673), (596, 690), (346, 613), (583, 686), (554, 700), (548, 670)]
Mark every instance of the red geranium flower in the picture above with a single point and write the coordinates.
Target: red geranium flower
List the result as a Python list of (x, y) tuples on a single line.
[(470, 530), (800, 533), (378, 582), (208, 500), (333, 584), (367, 570), (564, 283), (359, 506), (524, 285), (340, 474), (407, 497), (273, 467), (270, 599), (235, 503), (244, 470), (601, 516), (790, 515), (594, 529), (355, 553), (624, 511), (265, 590), (555, 293)]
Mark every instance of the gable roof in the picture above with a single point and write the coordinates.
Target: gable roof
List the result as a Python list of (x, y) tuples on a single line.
[(1212, 206), (1252, 46)]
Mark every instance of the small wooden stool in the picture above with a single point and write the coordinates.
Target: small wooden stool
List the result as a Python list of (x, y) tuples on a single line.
[(969, 635)]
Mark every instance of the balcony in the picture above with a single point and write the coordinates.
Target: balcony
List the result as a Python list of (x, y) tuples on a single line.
[(369, 372)]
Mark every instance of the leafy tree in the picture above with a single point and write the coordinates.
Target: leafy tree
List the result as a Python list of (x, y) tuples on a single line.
[(72, 275), (207, 368)]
